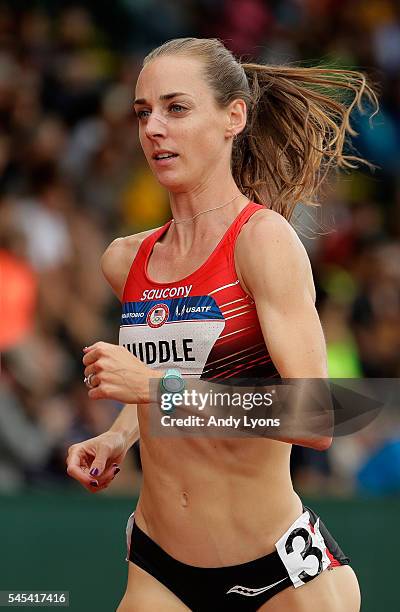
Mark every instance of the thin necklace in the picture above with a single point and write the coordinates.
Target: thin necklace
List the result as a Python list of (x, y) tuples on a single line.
[(205, 211)]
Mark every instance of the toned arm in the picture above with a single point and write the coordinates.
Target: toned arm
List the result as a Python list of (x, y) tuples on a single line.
[(276, 272), (115, 264)]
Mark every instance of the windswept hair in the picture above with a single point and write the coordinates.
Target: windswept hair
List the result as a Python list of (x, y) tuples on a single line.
[(298, 121)]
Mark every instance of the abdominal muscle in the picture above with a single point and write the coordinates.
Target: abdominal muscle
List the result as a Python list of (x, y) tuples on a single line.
[(215, 502)]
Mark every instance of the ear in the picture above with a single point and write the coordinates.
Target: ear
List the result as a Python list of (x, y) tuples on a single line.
[(236, 118)]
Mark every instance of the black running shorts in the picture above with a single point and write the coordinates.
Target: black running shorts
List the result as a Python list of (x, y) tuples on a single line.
[(304, 551)]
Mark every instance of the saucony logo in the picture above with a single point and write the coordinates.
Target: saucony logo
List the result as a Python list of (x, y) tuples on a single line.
[(167, 293), (248, 592)]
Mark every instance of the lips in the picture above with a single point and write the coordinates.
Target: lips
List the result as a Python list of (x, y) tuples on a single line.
[(163, 154)]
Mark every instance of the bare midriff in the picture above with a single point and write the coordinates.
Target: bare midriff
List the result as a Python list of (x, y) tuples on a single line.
[(212, 502)]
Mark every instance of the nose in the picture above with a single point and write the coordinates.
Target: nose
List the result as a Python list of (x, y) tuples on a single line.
[(156, 125)]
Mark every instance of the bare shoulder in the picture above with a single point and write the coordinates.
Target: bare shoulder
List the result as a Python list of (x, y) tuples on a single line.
[(268, 246), (118, 257), (269, 228)]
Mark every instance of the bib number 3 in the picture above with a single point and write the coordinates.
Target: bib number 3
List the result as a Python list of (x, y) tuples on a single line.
[(303, 552)]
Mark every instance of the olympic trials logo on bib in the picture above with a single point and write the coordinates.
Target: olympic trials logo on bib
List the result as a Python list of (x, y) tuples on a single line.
[(157, 315)]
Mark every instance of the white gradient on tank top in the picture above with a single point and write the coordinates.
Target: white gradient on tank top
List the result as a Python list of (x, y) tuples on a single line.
[(233, 302), (223, 287), (237, 331), (235, 309), (238, 315)]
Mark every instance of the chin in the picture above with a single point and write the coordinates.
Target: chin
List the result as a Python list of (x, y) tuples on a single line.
[(173, 183)]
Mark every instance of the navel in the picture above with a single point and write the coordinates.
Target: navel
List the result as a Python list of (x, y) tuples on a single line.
[(184, 499)]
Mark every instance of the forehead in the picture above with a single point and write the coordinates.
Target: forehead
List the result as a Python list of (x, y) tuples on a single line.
[(172, 73)]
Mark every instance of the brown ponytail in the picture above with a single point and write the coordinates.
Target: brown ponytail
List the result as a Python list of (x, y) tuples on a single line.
[(298, 121)]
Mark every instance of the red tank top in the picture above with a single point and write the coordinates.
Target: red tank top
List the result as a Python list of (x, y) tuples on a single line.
[(204, 324)]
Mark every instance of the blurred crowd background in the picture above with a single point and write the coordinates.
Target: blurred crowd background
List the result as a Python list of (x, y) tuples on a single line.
[(72, 178)]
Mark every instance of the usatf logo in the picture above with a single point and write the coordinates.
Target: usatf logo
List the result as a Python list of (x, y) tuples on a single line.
[(157, 315)]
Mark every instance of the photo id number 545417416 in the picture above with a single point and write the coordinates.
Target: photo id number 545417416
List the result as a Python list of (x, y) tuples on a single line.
[(34, 598)]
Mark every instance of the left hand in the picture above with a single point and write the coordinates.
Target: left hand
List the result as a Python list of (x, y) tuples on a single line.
[(117, 374)]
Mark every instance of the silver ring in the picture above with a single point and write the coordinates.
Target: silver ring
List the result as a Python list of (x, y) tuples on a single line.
[(88, 381)]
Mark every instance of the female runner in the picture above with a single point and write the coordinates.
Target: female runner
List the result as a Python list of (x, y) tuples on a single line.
[(223, 289)]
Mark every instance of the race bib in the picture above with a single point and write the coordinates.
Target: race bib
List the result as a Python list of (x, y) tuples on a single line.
[(303, 552)]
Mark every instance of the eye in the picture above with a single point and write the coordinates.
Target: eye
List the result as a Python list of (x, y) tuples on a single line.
[(177, 108), (142, 114)]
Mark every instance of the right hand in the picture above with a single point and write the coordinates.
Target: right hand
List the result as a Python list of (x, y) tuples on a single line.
[(104, 453)]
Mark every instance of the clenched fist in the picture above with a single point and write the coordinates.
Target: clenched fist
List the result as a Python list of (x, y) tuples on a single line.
[(117, 374)]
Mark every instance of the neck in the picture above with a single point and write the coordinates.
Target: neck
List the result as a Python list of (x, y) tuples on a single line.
[(187, 204), (215, 222)]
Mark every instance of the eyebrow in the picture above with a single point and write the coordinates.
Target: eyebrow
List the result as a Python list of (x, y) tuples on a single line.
[(162, 97)]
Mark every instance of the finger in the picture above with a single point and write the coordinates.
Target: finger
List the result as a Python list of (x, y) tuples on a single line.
[(87, 349), (81, 474), (92, 489), (95, 379), (98, 465), (107, 477), (91, 369), (98, 489), (78, 462), (92, 356), (109, 474), (77, 458), (95, 353), (98, 346), (100, 391)]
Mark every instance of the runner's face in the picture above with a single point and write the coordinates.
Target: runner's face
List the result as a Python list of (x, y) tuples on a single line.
[(188, 125)]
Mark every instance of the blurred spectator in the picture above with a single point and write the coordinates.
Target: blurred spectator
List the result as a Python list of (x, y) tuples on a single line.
[(381, 472), (18, 303), (375, 316)]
